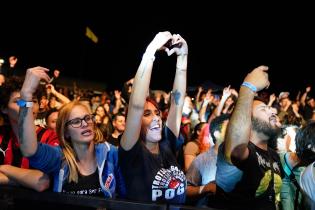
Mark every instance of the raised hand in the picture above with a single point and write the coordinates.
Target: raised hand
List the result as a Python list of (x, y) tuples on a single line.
[(159, 41), (50, 88), (226, 92), (179, 46), (31, 82), (258, 77)]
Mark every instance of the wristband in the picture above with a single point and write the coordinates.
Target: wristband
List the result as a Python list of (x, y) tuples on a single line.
[(148, 56), (23, 103), (250, 86)]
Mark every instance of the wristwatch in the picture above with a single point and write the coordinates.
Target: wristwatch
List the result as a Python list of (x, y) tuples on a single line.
[(23, 103)]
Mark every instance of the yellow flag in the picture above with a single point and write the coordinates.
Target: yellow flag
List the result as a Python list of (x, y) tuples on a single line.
[(89, 33)]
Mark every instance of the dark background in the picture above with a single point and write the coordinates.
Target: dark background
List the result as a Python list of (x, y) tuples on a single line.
[(225, 43)]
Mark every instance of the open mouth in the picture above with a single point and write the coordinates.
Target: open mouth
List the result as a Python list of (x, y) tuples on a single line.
[(87, 132), (274, 121)]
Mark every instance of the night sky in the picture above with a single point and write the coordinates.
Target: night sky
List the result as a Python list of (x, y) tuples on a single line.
[(223, 45)]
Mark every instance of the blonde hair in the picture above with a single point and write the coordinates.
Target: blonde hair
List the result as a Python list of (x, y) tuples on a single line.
[(65, 143)]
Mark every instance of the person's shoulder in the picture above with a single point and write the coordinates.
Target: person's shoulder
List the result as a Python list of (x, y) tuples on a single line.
[(191, 145)]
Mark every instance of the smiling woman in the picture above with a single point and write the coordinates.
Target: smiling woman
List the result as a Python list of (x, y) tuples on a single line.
[(147, 152)]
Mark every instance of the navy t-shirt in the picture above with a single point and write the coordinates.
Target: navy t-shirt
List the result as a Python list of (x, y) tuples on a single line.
[(151, 177)]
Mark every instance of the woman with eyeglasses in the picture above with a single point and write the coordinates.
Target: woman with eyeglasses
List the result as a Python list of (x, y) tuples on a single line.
[(147, 152), (79, 165)]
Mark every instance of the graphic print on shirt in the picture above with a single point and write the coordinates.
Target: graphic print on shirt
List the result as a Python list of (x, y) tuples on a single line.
[(168, 183), (266, 179)]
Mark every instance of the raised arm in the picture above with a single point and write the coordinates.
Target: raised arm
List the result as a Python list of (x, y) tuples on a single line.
[(303, 98), (61, 97), (27, 133), (179, 86), (238, 131), (218, 110), (140, 91)]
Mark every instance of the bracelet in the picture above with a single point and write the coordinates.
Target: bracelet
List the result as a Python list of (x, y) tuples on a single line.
[(148, 56), (250, 86), (201, 188)]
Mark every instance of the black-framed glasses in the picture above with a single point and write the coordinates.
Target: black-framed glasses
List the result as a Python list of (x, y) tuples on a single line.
[(77, 122)]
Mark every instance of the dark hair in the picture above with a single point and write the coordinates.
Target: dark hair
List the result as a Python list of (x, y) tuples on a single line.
[(12, 84), (49, 112), (259, 98), (291, 119), (114, 117), (152, 101), (216, 125), (197, 128), (305, 143)]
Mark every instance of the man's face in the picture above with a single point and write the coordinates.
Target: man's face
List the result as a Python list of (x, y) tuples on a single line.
[(119, 123), (264, 120)]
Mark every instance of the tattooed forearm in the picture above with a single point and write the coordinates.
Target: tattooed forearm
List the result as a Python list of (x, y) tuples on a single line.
[(22, 116), (176, 95)]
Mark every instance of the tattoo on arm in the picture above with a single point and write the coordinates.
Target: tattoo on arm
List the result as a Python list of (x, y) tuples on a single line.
[(176, 95), (22, 115)]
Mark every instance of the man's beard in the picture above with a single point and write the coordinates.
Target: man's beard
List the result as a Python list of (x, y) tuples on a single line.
[(266, 128)]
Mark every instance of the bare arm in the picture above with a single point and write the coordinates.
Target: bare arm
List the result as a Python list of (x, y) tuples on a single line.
[(239, 128), (4, 179), (61, 97), (195, 191), (207, 100), (30, 178), (303, 98), (218, 110), (272, 98), (117, 101), (27, 133), (140, 90), (179, 87)]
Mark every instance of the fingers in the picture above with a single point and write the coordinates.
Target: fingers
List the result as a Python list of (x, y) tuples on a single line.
[(262, 68), (169, 51), (39, 72)]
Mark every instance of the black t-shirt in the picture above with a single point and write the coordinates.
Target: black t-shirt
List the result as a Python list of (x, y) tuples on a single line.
[(254, 190), (87, 185), (114, 141), (151, 177)]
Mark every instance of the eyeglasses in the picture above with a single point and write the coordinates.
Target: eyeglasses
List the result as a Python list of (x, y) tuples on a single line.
[(77, 122)]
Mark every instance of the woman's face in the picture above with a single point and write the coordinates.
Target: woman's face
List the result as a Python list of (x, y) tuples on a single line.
[(80, 125), (151, 123), (51, 121), (100, 111)]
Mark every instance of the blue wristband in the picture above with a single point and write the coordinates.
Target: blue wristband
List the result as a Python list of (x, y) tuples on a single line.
[(250, 86)]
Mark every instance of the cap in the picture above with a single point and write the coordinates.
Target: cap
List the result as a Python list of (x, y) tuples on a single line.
[(283, 95)]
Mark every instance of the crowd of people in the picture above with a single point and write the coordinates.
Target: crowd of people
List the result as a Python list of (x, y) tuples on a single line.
[(235, 149)]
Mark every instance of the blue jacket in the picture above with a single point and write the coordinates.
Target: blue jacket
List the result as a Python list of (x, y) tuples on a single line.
[(50, 160)]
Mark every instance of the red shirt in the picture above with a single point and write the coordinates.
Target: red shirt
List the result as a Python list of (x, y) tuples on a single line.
[(10, 153)]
